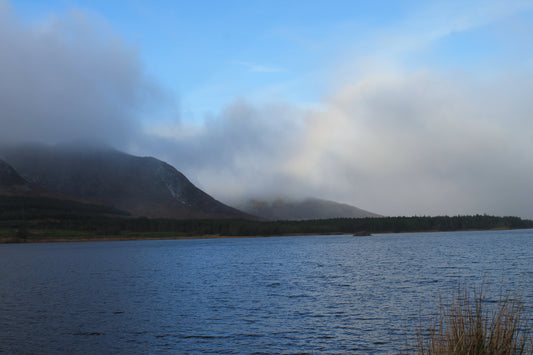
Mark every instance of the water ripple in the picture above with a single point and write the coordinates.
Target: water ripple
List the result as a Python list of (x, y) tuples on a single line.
[(292, 295)]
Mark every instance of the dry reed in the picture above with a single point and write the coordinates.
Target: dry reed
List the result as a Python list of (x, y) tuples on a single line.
[(471, 324)]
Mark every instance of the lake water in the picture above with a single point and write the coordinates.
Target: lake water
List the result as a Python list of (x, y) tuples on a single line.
[(312, 294)]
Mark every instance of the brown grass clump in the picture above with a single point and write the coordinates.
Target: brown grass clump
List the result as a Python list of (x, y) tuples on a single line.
[(473, 325)]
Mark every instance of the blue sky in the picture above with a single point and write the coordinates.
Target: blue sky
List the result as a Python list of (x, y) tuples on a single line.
[(207, 53), (398, 107)]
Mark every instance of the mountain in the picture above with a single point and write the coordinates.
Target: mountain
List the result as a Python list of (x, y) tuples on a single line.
[(311, 208), (142, 186), (22, 199), (12, 184)]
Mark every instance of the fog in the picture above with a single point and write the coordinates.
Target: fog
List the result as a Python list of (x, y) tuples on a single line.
[(404, 144), (69, 78), (394, 142)]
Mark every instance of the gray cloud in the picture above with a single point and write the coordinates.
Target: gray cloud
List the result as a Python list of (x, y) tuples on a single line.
[(69, 78), (234, 154)]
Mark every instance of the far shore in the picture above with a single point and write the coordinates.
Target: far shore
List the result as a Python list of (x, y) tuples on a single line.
[(206, 236), (126, 238)]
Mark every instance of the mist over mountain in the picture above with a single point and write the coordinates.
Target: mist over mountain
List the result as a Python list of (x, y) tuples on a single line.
[(143, 186), (310, 208)]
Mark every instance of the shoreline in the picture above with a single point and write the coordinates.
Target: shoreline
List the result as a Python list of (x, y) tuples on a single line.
[(212, 236), (118, 239)]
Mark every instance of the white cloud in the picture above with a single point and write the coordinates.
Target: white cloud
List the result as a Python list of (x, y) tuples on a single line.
[(415, 144)]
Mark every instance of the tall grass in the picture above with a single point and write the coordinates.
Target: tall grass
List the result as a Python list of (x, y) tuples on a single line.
[(471, 324)]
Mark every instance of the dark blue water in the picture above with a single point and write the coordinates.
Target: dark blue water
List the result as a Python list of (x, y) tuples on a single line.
[(316, 294)]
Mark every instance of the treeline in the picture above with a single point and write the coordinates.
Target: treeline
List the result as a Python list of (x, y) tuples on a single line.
[(326, 226), (49, 214), (145, 226)]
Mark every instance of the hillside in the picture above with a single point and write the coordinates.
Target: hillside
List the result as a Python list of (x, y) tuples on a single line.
[(311, 208), (20, 199), (142, 186), (12, 184)]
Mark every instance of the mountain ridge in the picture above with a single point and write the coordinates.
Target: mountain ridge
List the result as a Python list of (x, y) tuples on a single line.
[(143, 186), (305, 209)]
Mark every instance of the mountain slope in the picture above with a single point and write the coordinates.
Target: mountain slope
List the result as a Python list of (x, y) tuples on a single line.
[(311, 208), (20, 199), (143, 186), (12, 184)]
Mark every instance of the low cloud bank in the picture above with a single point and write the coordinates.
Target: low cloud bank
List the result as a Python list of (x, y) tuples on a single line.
[(400, 144)]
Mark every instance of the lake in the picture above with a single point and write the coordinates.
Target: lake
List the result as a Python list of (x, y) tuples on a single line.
[(306, 294)]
